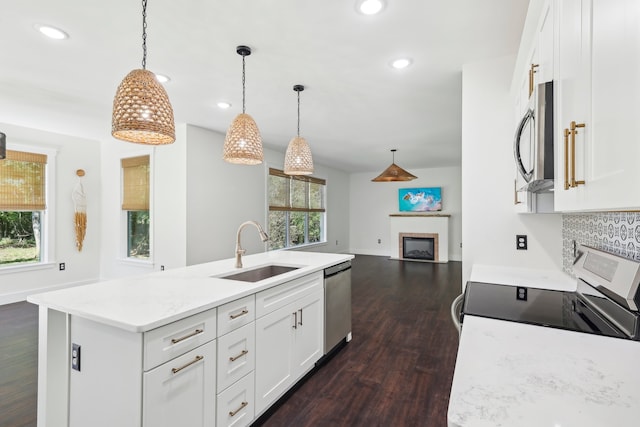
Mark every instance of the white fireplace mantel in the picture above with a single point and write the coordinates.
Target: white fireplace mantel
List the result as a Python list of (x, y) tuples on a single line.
[(421, 223)]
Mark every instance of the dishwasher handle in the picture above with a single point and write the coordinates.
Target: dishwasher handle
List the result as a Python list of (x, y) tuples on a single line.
[(337, 269)]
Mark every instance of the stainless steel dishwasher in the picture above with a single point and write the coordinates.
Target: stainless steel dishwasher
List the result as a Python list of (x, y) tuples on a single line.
[(337, 305)]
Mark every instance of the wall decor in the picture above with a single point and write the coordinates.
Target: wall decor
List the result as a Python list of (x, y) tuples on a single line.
[(80, 210), (424, 199)]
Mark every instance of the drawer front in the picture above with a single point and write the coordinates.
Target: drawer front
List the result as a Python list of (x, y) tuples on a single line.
[(166, 342), (236, 313), (235, 404), (181, 392), (236, 355), (281, 295)]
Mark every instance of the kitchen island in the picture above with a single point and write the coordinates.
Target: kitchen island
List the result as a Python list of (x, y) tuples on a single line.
[(149, 350)]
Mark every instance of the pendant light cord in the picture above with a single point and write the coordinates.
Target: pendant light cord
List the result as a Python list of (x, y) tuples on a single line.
[(298, 113), (243, 80), (144, 34)]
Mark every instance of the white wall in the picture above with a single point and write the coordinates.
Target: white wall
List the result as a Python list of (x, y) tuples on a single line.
[(81, 267), (372, 202), (489, 223)]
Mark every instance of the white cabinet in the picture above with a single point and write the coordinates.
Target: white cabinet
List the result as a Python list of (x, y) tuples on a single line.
[(598, 98), (289, 336), (181, 392)]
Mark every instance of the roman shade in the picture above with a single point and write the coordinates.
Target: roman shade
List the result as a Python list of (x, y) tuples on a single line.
[(135, 183), (23, 181)]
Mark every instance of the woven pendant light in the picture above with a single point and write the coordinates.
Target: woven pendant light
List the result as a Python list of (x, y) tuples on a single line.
[(243, 143), (142, 112), (394, 173), (298, 160)]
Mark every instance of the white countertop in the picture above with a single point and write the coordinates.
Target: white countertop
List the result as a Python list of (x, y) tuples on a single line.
[(511, 374), (142, 303), (517, 276)]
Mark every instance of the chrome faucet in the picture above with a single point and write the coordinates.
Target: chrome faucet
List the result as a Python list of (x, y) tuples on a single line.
[(239, 250)]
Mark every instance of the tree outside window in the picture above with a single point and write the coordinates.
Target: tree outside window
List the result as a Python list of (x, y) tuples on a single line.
[(135, 203)]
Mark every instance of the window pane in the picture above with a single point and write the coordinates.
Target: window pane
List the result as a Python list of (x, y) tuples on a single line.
[(298, 193), (278, 190), (138, 234), (277, 230), (20, 237), (316, 196), (296, 228), (315, 226)]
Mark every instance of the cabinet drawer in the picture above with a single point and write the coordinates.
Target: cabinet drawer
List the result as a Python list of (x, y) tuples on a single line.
[(236, 405), (166, 342), (181, 392), (281, 295), (236, 313), (236, 355)]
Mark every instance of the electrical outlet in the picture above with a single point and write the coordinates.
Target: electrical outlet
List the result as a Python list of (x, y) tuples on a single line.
[(521, 293), (521, 242), (75, 356), (62, 266), (162, 268), (379, 241)]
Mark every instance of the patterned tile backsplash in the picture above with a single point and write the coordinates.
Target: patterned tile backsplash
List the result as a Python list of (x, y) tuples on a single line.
[(615, 232)]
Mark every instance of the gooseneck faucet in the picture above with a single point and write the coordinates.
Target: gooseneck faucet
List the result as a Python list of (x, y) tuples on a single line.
[(239, 250)]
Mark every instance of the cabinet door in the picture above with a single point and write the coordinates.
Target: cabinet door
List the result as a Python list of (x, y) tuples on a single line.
[(182, 391), (308, 336), (544, 72), (572, 98), (274, 350), (612, 162)]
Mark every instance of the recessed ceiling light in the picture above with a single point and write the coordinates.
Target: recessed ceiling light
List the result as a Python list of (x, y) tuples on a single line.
[(162, 78), (52, 32), (401, 63), (223, 105), (370, 7)]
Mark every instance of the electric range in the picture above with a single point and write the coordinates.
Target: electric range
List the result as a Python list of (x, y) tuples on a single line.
[(605, 303)]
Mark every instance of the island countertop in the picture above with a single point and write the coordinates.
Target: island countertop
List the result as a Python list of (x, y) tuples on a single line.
[(514, 374), (145, 302)]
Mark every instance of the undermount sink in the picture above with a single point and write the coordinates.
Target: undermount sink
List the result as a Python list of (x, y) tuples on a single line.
[(260, 273)]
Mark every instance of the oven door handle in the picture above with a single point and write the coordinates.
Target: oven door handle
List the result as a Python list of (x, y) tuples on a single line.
[(456, 306), (527, 175)]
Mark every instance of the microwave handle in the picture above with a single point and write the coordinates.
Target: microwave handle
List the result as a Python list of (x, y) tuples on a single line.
[(516, 146)]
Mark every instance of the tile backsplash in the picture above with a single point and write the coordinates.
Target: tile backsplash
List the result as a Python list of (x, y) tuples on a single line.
[(615, 232)]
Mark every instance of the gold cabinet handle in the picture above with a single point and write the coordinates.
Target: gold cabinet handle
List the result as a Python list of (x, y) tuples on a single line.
[(242, 353), (194, 333), (242, 405), (574, 132), (566, 159), (242, 313), (532, 71), (295, 320), (515, 193), (197, 359)]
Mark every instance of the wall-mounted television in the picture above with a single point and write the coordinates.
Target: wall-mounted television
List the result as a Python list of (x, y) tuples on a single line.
[(425, 199)]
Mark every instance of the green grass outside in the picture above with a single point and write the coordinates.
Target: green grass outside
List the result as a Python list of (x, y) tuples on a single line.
[(13, 252)]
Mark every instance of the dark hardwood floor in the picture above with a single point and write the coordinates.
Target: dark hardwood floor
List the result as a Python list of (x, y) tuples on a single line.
[(396, 371)]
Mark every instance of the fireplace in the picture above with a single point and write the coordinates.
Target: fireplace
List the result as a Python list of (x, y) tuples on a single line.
[(418, 246)]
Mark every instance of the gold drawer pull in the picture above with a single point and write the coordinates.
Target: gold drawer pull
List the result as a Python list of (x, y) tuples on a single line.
[(192, 334), (574, 132), (532, 71), (515, 194), (242, 353), (566, 159), (242, 313), (197, 359), (232, 413)]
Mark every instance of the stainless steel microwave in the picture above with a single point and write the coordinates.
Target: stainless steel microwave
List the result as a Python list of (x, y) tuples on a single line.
[(533, 142)]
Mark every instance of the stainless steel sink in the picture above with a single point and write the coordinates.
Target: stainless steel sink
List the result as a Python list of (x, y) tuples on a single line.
[(259, 273)]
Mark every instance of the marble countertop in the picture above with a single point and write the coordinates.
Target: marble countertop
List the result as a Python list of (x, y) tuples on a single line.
[(517, 276), (145, 302), (511, 374)]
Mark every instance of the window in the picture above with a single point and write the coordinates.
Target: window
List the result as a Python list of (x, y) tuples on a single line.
[(296, 210), (135, 206), (22, 207)]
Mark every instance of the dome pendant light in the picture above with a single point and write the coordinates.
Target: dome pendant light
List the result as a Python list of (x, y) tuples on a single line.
[(394, 172), (142, 112), (298, 160), (243, 144)]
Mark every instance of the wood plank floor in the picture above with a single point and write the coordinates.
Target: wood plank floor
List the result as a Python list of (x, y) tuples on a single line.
[(396, 371)]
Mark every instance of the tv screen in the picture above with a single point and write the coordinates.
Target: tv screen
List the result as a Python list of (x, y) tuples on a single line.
[(426, 199)]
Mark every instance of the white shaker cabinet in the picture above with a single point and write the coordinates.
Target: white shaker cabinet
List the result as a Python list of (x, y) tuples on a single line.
[(289, 336), (597, 101)]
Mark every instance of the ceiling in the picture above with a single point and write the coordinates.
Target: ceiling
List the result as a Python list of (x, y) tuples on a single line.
[(355, 106)]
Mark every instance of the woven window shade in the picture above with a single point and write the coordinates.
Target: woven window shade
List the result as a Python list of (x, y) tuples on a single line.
[(23, 181), (314, 201), (135, 183)]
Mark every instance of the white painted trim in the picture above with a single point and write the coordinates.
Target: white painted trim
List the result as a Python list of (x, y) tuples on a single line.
[(10, 298)]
